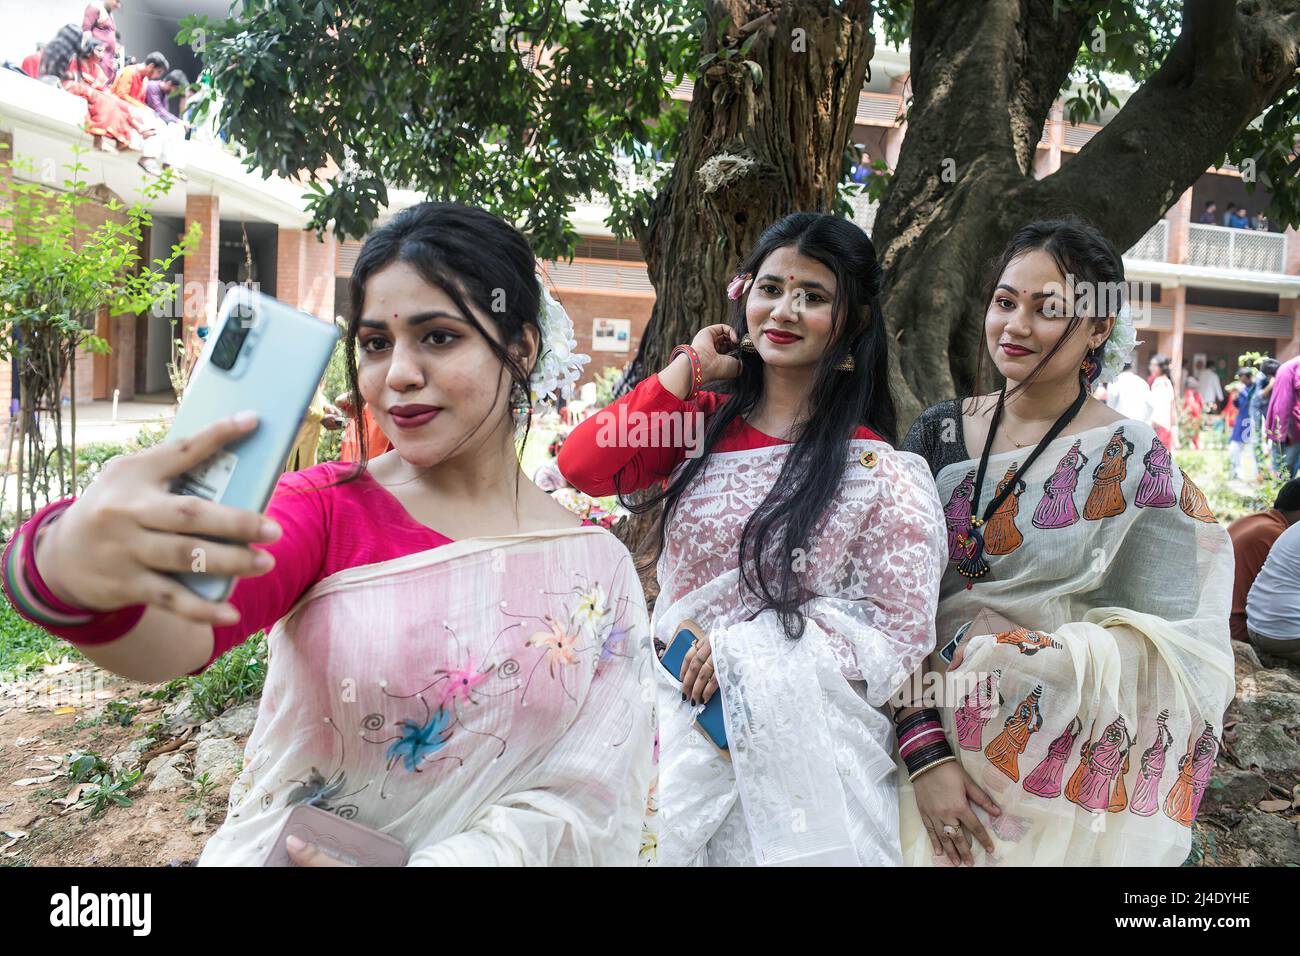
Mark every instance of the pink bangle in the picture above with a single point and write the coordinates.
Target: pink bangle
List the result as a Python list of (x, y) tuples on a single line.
[(915, 741), (697, 370)]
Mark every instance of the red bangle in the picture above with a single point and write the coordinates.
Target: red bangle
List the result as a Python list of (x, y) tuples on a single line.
[(32, 598), (697, 370)]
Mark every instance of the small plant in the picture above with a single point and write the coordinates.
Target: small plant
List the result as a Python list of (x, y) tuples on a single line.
[(120, 712), (203, 787), (83, 765), (168, 691), (1205, 849), (107, 790)]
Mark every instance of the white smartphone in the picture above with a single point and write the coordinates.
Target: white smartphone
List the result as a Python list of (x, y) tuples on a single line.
[(262, 356)]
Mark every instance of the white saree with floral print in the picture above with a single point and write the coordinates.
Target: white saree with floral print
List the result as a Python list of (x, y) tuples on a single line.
[(487, 702)]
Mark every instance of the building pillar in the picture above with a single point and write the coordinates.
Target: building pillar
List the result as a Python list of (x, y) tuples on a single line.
[(1055, 138), (1179, 217), (304, 271), (1176, 338), (1289, 350), (201, 290), (894, 135)]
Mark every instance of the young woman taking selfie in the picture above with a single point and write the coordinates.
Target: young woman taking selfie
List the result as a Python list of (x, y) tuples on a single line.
[(455, 660)]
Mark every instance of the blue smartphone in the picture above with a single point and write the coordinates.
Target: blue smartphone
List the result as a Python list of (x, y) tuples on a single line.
[(709, 720), (264, 356)]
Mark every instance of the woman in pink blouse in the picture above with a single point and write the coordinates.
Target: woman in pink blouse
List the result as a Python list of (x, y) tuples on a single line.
[(455, 658)]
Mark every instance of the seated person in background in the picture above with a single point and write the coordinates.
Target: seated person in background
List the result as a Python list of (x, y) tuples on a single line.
[(1273, 605), (130, 82), (157, 92), (1253, 537), (32, 62)]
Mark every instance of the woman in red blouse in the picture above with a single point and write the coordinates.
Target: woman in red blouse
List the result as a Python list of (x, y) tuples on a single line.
[(793, 459)]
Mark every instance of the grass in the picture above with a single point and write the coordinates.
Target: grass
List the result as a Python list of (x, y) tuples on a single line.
[(234, 677), (1208, 468), (24, 647)]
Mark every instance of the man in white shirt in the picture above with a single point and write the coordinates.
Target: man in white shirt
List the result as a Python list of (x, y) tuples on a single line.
[(1207, 384), (1130, 395), (1273, 604)]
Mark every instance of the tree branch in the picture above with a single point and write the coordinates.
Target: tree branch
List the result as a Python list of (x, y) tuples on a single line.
[(1227, 65)]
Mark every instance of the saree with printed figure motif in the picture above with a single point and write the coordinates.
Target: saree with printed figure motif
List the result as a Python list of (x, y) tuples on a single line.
[(486, 702), (810, 774), (1121, 589)]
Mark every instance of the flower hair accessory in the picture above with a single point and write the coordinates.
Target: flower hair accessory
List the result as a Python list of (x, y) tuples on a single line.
[(739, 285), (560, 364), (1122, 341)]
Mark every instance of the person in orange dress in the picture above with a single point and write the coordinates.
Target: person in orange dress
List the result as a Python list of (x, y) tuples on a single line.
[(376, 441), (108, 116), (129, 83)]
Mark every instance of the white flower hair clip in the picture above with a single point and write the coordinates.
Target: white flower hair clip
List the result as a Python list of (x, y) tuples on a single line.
[(1120, 344), (560, 364)]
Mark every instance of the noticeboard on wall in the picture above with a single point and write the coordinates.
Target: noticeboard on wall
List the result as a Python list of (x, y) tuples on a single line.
[(611, 335)]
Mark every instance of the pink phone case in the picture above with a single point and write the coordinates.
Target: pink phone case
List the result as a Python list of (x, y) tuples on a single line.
[(348, 841)]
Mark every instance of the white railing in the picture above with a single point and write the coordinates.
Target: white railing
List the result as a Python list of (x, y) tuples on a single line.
[(1154, 244), (1223, 247)]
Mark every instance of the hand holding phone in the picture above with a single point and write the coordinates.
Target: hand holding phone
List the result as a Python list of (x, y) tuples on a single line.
[(120, 542), (321, 838), (986, 621)]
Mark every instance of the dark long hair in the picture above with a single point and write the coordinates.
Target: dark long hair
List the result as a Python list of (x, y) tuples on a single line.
[(474, 257), (1079, 249), (838, 403)]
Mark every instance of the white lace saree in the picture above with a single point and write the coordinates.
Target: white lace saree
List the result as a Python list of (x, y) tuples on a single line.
[(1094, 725), (485, 702), (810, 775)]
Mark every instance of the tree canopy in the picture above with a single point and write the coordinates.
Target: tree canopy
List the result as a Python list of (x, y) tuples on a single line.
[(529, 107)]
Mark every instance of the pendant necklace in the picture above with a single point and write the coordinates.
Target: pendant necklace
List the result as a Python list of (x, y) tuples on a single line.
[(972, 565)]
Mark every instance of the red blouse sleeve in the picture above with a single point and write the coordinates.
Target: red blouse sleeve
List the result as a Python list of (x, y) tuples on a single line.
[(299, 507), (601, 456)]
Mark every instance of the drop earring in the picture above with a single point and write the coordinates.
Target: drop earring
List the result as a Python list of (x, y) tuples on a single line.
[(846, 364), (747, 345)]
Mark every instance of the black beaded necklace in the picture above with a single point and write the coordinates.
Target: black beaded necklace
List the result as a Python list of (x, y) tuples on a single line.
[(972, 564)]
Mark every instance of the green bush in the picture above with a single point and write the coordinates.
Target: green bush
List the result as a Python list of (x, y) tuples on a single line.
[(233, 678)]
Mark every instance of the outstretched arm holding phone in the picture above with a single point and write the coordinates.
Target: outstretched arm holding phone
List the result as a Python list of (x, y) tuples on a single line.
[(116, 545)]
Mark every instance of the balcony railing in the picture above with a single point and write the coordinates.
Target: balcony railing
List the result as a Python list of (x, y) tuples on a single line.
[(1154, 244), (1223, 247)]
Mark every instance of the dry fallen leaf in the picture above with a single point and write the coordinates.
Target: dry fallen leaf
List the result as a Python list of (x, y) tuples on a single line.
[(65, 710), (32, 781), (50, 670), (73, 795), (1274, 806), (26, 741)]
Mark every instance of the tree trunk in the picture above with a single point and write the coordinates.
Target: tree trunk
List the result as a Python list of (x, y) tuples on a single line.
[(983, 78), (754, 149), (751, 153)]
